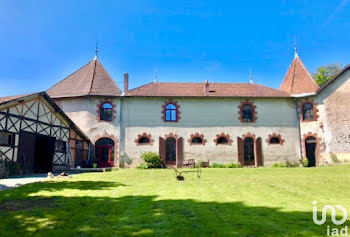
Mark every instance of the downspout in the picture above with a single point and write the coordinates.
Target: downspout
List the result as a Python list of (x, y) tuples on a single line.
[(121, 133), (299, 128)]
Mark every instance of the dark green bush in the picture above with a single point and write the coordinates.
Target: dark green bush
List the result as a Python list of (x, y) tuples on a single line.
[(153, 160)]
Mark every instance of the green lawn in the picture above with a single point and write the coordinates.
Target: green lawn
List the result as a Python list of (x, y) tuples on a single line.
[(223, 202)]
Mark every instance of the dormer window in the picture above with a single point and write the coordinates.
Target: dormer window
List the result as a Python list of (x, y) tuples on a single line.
[(106, 112)]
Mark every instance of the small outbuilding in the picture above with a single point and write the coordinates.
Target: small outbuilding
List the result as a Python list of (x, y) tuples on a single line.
[(38, 136)]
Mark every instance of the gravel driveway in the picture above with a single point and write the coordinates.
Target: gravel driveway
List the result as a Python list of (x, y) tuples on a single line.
[(19, 181)]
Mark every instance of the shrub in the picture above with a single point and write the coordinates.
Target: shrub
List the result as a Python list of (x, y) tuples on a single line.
[(227, 165), (142, 166), (305, 162), (153, 160), (217, 165), (286, 164)]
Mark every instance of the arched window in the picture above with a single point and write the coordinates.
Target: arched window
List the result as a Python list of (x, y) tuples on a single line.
[(308, 112), (106, 112), (222, 140), (275, 140), (247, 113), (144, 140), (170, 113), (197, 140)]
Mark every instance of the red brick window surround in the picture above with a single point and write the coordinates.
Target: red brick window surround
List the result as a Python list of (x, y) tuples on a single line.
[(144, 139), (197, 139), (171, 111), (223, 139), (106, 111), (247, 112), (308, 111), (274, 139)]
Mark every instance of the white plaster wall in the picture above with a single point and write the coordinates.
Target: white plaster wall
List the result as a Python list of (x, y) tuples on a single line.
[(211, 116), (83, 112)]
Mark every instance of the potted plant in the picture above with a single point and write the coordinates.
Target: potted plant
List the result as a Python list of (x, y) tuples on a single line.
[(94, 165)]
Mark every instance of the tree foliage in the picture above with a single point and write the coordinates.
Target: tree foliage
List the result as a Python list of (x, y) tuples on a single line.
[(324, 73)]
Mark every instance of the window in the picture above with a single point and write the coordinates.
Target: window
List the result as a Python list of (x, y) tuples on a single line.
[(79, 144), (7, 139), (308, 112), (222, 140), (170, 113), (247, 113), (106, 112), (197, 140), (60, 146), (274, 140), (144, 140)]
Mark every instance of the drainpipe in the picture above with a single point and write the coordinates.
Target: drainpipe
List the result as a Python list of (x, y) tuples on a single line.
[(121, 132), (299, 128)]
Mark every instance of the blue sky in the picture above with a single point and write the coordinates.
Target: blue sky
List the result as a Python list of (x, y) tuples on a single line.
[(44, 41)]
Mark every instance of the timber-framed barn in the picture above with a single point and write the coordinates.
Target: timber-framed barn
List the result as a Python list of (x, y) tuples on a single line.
[(38, 135)]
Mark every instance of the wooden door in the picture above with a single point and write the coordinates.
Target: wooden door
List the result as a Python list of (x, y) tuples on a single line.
[(249, 156), (170, 151), (310, 146), (179, 152), (25, 154), (240, 150), (259, 157), (162, 148)]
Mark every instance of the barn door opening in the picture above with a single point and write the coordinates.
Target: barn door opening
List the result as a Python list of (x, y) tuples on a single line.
[(310, 146), (35, 152), (43, 155), (170, 151)]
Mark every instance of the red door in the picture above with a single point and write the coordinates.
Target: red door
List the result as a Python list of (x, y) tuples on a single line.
[(106, 154)]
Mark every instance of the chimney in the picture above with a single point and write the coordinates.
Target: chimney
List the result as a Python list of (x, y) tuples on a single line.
[(206, 86), (126, 82)]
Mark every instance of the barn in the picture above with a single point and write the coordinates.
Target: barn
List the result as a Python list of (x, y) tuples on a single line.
[(38, 136)]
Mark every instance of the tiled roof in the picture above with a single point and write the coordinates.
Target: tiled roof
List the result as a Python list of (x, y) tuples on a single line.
[(91, 79), (198, 90), (298, 80), (13, 97)]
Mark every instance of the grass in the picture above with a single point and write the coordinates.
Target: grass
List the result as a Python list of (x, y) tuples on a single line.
[(223, 202)]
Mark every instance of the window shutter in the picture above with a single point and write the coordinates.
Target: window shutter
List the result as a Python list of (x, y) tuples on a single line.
[(240, 150), (179, 152), (162, 148), (258, 152)]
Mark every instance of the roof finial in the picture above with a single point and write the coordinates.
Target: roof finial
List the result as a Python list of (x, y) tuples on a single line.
[(155, 77), (295, 48), (251, 76), (96, 51)]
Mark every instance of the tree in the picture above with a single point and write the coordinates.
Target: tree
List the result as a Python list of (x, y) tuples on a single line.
[(324, 73)]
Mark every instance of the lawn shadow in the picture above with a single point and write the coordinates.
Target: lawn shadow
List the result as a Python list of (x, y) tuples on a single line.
[(27, 189), (149, 216)]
